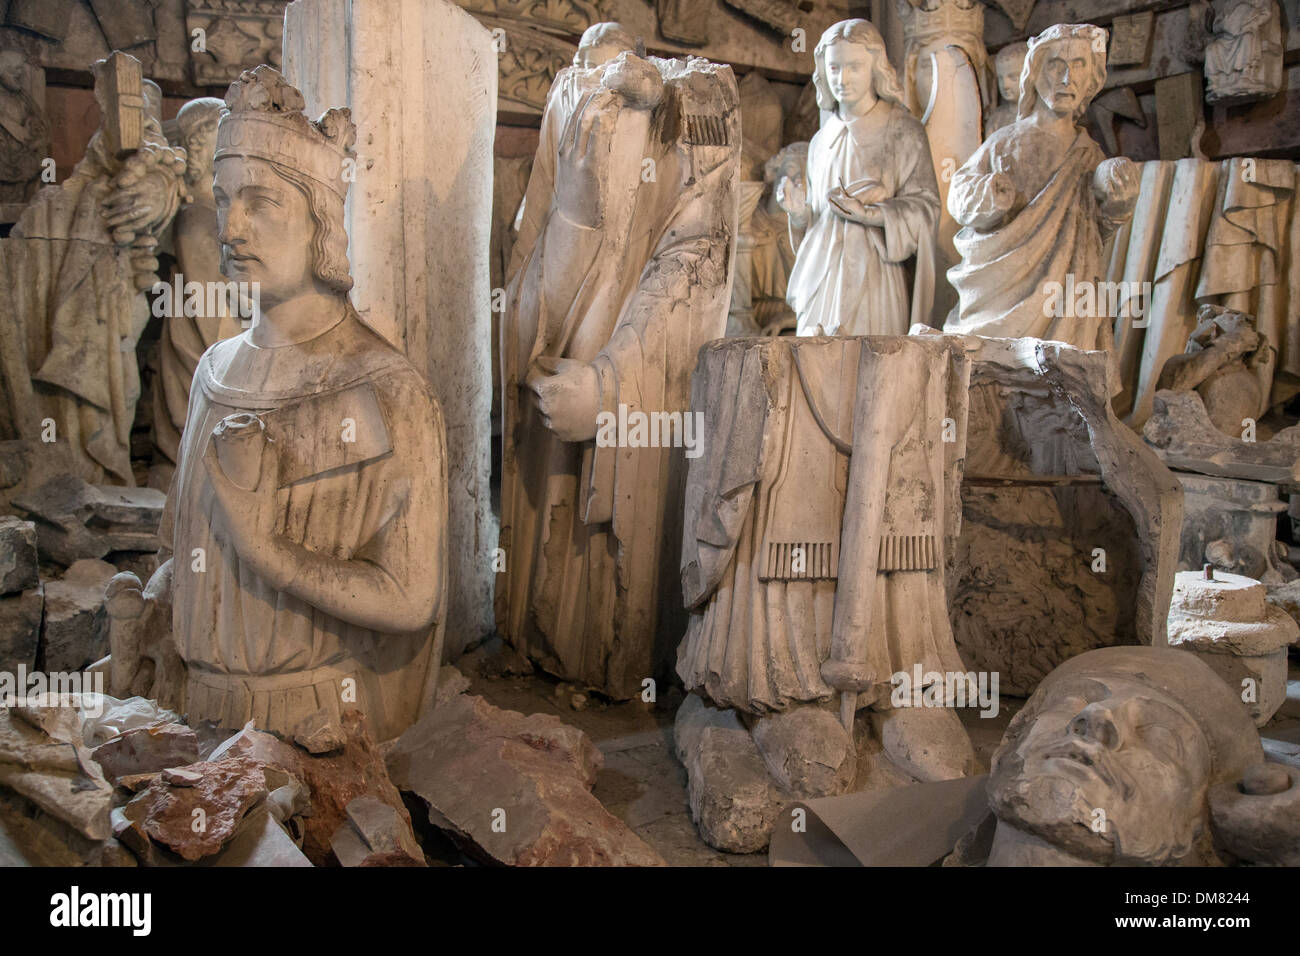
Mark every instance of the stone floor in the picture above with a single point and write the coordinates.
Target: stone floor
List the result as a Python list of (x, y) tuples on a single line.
[(642, 782)]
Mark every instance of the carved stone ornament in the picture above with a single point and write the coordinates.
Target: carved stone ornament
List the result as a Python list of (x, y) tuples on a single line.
[(237, 36)]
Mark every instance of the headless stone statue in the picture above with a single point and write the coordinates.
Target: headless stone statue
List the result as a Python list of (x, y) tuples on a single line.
[(819, 525), (624, 276), (308, 509)]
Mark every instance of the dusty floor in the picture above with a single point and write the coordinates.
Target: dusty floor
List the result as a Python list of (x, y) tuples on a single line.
[(642, 782)]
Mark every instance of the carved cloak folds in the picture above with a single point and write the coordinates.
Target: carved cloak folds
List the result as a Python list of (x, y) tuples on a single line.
[(592, 533)]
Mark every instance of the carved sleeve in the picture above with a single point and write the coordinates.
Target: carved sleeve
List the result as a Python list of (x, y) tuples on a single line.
[(972, 199), (912, 215)]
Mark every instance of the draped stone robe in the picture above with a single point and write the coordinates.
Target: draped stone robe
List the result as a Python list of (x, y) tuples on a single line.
[(591, 533), (67, 346), (1008, 265), (849, 278), (833, 445), (256, 653)]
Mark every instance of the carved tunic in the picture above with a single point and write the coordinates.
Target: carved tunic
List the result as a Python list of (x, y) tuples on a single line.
[(255, 653), (869, 580)]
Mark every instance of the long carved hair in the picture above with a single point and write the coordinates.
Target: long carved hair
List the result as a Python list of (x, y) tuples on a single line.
[(329, 242), (1040, 46), (884, 81)]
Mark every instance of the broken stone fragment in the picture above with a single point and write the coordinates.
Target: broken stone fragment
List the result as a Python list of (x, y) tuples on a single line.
[(318, 734), (197, 821), (18, 571), (43, 761), (334, 780), (732, 797), (148, 749), (76, 520), (105, 717), (513, 789), (1287, 597), (375, 835), (1181, 433), (20, 629), (182, 776), (43, 840), (1257, 819), (1227, 621), (76, 622)]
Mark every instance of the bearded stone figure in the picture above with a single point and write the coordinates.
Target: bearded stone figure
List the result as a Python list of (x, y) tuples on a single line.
[(871, 201), (309, 505), (1037, 200)]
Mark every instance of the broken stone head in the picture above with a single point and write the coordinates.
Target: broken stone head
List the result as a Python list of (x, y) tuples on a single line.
[(1118, 759)]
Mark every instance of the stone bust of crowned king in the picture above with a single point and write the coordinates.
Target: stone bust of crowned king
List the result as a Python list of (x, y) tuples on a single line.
[(308, 510)]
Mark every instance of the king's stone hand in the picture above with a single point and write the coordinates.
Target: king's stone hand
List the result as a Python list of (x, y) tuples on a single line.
[(248, 518)]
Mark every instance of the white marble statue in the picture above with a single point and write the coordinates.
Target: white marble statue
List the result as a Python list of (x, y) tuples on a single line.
[(871, 201)]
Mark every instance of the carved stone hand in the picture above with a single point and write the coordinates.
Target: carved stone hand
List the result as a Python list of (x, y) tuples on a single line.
[(1115, 185), (792, 196), (568, 396), (848, 207), (248, 518)]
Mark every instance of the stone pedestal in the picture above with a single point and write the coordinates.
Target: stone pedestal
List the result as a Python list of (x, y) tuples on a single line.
[(1226, 621), (421, 79), (1231, 524)]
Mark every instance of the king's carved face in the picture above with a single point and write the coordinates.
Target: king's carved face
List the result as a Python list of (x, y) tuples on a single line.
[(1108, 769), (265, 227), (1064, 81)]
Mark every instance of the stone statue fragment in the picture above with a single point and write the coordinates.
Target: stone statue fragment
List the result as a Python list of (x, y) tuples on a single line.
[(306, 519)]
